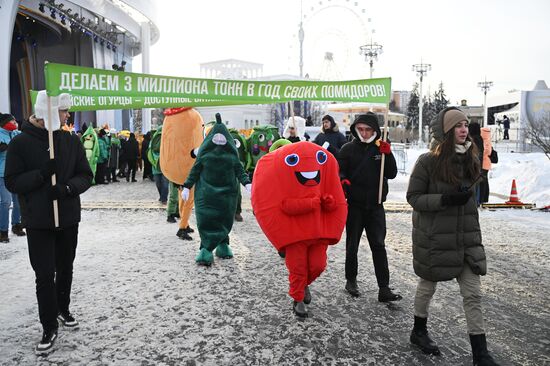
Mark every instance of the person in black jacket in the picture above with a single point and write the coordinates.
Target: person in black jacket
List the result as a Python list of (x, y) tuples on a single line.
[(506, 125), (131, 152), (360, 166), (330, 134), (147, 169), (28, 173)]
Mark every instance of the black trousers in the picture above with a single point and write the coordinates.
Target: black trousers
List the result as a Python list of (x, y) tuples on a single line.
[(111, 176), (373, 221), (52, 253), (101, 173), (132, 166), (147, 169)]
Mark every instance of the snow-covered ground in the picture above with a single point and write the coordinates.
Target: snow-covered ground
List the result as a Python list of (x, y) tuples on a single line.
[(141, 299)]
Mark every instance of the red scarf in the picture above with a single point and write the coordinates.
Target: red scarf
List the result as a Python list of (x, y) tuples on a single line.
[(10, 126)]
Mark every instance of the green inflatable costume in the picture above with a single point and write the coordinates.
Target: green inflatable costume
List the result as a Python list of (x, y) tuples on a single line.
[(259, 142), (153, 152), (91, 146), (215, 174)]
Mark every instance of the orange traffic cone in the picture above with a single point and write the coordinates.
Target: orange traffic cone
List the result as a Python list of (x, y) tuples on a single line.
[(514, 200)]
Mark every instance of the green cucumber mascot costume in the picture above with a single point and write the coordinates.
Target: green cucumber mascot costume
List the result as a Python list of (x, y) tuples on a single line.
[(91, 146), (215, 174), (153, 153), (244, 157)]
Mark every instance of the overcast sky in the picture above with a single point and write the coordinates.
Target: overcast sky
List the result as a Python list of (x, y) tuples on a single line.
[(506, 41)]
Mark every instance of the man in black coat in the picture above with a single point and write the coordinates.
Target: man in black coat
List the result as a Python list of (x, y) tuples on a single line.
[(330, 134), (147, 168), (28, 173), (131, 152), (506, 125), (360, 166)]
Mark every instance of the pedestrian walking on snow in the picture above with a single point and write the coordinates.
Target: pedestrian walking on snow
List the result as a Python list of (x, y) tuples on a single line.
[(8, 130), (29, 171), (446, 233), (360, 167)]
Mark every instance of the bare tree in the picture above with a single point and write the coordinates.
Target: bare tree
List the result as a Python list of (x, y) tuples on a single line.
[(538, 130)]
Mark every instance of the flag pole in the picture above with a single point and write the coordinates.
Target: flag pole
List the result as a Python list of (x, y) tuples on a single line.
[(52, 156)]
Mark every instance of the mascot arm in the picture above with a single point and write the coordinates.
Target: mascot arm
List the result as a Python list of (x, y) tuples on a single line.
[(328, 203), (300, 206), (240, 173), (193, 175)]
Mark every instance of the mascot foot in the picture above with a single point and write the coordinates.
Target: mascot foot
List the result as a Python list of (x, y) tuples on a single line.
[(300, 309), (204, 258), (307, 296), (223, 251)]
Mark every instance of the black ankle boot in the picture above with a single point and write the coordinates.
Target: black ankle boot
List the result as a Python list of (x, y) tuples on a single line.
[(300, 309), (481, 355), (420, 337), (385, 294), (307, 296), (351, 287), (17, 229)]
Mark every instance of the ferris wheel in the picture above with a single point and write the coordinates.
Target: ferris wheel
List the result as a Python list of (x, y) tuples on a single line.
[(330, 33)]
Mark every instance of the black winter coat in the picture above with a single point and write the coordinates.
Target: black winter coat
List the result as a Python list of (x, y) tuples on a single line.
[(445, 238), (131, 149), (27, 154), (360, 164), (334, 138)]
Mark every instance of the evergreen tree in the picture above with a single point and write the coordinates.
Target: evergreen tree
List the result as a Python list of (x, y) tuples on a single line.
[(440, 99), (412, 109), (428, 111)]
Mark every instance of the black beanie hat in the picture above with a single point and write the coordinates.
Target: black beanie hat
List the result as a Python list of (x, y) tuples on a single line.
[(370, 119), (5, 118)]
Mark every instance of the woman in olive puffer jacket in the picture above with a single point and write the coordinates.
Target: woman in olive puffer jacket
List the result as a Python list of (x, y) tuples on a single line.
[(446, 233)]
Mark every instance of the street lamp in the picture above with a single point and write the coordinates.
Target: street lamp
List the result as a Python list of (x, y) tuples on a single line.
[(485, 86), (371, 51), (421, 70)]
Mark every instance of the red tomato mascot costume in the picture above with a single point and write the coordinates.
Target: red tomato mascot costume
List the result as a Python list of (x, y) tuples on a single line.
[(300, 206)]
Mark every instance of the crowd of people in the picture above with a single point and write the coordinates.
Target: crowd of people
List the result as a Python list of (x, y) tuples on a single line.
[(446, 235)]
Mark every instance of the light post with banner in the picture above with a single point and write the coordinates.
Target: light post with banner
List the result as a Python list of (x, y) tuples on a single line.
[(421, 70), (371, 51), (485, 86)]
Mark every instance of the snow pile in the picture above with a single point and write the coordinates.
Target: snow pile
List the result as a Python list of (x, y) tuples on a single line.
[(531, 172), (532, 175)]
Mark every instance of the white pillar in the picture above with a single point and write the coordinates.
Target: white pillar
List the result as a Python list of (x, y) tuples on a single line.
[(420, 105), (8, 12), (484, 122), (145, 51)]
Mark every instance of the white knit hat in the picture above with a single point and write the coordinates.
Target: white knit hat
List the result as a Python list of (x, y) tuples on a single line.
[(61, 102), (64, 101)]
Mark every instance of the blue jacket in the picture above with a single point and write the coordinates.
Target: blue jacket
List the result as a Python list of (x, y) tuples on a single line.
[(5, 136)]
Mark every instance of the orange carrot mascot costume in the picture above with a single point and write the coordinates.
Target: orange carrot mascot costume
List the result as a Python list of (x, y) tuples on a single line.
[(182, 134)]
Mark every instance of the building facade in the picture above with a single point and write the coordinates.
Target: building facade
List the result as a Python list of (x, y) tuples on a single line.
[(100, 34)]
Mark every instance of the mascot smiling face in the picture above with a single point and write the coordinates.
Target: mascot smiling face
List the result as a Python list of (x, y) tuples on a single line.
[(259, 143), (293, 172)]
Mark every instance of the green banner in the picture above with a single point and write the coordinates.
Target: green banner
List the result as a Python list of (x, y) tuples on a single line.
[(93, 103), (94, 89)]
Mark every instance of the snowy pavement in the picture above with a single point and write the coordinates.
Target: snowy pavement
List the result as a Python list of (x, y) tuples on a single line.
[(141, 300)]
